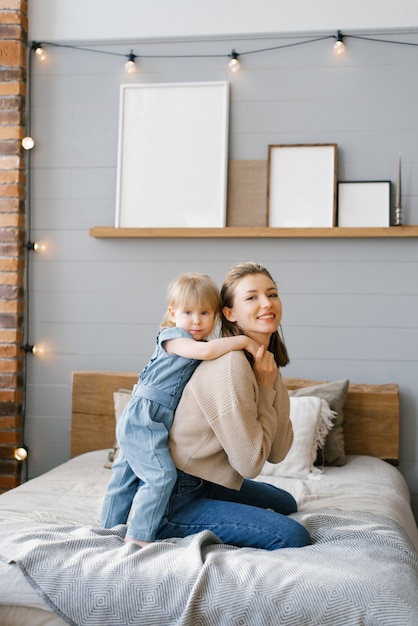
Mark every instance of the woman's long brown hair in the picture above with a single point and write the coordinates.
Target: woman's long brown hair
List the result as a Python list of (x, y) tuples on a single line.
[(230, 329)]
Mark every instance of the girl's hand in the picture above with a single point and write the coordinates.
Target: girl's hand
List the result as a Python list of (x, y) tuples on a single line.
[(265, 368), (251, 346)]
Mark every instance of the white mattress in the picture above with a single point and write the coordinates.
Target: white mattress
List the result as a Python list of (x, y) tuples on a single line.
[(72, 492)]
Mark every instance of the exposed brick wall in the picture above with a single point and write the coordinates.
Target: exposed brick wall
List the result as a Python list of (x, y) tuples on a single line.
[(13, 44)]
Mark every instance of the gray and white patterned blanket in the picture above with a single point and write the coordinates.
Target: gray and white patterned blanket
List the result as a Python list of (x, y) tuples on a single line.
[(360, 570)]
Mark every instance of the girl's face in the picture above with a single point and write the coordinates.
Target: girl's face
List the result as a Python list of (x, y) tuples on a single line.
[(257, 309), (198, 321)]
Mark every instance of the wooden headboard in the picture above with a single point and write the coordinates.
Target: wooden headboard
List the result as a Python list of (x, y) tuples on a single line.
[(371, 413)]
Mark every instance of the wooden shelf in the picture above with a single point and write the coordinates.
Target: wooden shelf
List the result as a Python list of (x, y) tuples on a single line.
[(236, 232)]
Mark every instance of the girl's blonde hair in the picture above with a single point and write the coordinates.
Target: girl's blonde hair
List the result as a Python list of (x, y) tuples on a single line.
[(230, 329), (190, 290)]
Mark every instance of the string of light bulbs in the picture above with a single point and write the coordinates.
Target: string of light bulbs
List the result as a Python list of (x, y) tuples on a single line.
[(38, 50), (234, 64), (21, 450)]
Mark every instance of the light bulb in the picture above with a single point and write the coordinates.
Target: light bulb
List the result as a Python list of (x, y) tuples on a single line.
[(339, 47), (38, 350), (36, 246), (234, 64), (130, 64), (28, 143), (39, 51), (20, 454), (39, 246)]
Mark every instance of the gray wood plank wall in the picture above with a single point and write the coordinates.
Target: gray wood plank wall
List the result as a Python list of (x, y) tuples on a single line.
[(350, 306)]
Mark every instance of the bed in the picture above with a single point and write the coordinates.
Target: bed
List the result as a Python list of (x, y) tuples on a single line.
[(57, 566)]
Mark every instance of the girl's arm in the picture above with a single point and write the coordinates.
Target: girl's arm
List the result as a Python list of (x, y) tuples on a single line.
[(208, 350)]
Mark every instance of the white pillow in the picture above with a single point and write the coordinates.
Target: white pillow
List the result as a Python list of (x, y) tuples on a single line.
[(120, 400), (311, 419)]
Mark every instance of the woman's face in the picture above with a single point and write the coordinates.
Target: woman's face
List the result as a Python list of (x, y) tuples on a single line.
[(257, 309)]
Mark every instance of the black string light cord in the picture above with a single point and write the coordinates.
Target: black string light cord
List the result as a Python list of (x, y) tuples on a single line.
[(29, 247), (131, 56)]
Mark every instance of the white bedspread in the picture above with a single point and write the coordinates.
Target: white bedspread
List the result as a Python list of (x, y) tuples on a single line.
[(71, 495)]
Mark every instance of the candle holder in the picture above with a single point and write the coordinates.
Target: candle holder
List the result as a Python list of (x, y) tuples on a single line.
[(398, 207)]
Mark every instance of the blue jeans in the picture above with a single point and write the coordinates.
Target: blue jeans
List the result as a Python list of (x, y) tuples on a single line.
[(239, 518)]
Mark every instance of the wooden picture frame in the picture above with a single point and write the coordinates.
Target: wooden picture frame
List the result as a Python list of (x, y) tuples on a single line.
[(173, 155), (302, 185), (364, 203)]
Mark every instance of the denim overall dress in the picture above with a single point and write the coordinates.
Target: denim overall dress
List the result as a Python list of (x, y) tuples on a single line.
[(143, 473)]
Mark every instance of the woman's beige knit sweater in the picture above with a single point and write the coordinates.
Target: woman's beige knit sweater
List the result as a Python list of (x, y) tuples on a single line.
[(226, 426)]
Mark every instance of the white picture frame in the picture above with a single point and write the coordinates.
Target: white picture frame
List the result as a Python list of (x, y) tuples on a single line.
[(172, 155), (302, 185), (364, 203)]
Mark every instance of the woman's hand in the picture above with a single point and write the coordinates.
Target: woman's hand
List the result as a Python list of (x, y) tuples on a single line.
[(265, 368)]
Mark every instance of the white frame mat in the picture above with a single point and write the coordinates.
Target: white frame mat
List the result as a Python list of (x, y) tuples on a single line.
[(302, 185), (173, 155), (364, 203)]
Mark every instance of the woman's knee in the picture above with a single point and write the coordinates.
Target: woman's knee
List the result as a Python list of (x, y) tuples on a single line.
[(286, 532), (288, 503), (298, 537)]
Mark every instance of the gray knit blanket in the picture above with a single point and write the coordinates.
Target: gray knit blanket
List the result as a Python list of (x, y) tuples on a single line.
[(360, 570)]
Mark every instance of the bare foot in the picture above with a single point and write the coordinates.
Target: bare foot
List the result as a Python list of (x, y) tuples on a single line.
[(137, 541)]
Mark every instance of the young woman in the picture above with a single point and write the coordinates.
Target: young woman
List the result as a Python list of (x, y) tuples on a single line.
[(232, 417), (194, 305)]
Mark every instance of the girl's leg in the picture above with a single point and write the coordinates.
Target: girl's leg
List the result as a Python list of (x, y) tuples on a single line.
[(257, 494), (142, 433), (151, 499), (119, 494), (148, 456)]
